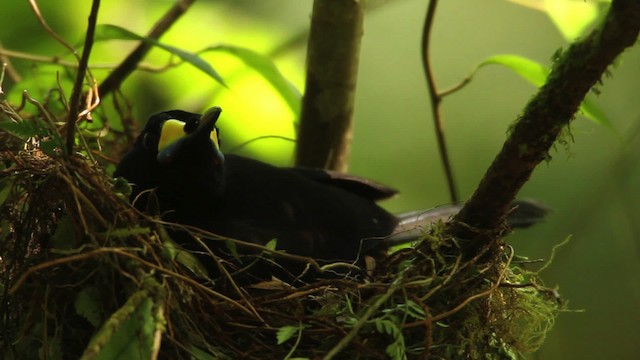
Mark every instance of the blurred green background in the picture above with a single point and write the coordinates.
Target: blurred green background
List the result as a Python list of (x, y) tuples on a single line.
[(593, 187)]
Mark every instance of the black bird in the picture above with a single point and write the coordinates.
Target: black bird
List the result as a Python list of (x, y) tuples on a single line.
[(311, 212)]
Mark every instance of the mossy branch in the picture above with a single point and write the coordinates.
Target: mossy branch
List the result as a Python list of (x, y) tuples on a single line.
[(574, 73), (324, 135)]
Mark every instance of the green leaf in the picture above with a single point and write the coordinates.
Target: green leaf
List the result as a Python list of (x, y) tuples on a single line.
[(128, 333), (233, 249), (593, 112), (6, 185), (50, 141), (536, 74), (51, 147), (572, 18), (271, 245), (286, 332), (88, 305), (191, 262), (173, 251), (24, 129), (112, 32), (379, 326), (64, 238), (200, 354), (414, 310), (529, 70), (267, 69)]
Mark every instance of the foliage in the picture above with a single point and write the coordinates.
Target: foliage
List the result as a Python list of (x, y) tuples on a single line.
[(85, 275)]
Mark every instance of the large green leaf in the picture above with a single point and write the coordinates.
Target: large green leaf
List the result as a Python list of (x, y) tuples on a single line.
[(113, 32), (129, 332), (267, 69), (536, 74)]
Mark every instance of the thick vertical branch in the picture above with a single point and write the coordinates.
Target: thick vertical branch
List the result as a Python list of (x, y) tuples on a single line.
[(324, 135), (577, 70)]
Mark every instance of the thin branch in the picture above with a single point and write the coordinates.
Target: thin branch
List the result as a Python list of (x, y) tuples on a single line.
[(259, 138), (575, 72), (76, 94), (56, 60), (8, 67), (49, 30), (436, 99), (130, 63)]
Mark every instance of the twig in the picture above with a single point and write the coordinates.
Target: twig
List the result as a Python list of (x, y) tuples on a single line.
[(126, 253), (4, 68), (241, 292), (76, 94), (489, 291), (49, 30), (6, 63), (575, 72), (436, 99), (363, 320), (264, 137), (117, 76), (56, 60)]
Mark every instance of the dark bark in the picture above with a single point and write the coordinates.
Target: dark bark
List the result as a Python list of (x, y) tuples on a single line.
[(324, 135)]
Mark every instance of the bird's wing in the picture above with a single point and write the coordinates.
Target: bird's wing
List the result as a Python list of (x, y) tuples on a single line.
[(360, 186)]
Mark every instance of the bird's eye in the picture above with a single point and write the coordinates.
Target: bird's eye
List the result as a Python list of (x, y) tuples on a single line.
[(191, 126)]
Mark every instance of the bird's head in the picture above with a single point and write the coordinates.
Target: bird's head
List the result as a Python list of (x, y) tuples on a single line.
[(178, 153), (175, 134)]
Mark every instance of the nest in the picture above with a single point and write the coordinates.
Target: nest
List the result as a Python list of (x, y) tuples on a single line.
[(83, 273)]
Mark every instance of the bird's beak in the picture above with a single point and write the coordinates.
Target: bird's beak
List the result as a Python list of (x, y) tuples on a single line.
[(172, 139), (207, 128)]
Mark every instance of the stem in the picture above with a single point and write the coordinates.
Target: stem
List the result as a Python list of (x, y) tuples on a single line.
[(436, 99), (76, 94)]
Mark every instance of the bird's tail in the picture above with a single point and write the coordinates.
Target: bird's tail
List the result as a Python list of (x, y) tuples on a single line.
[(413, 225)]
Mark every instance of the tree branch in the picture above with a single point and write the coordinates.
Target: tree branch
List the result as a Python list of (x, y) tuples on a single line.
[(119, 74), (76, 94), (576, 71), (324, 135), (436, 99)]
